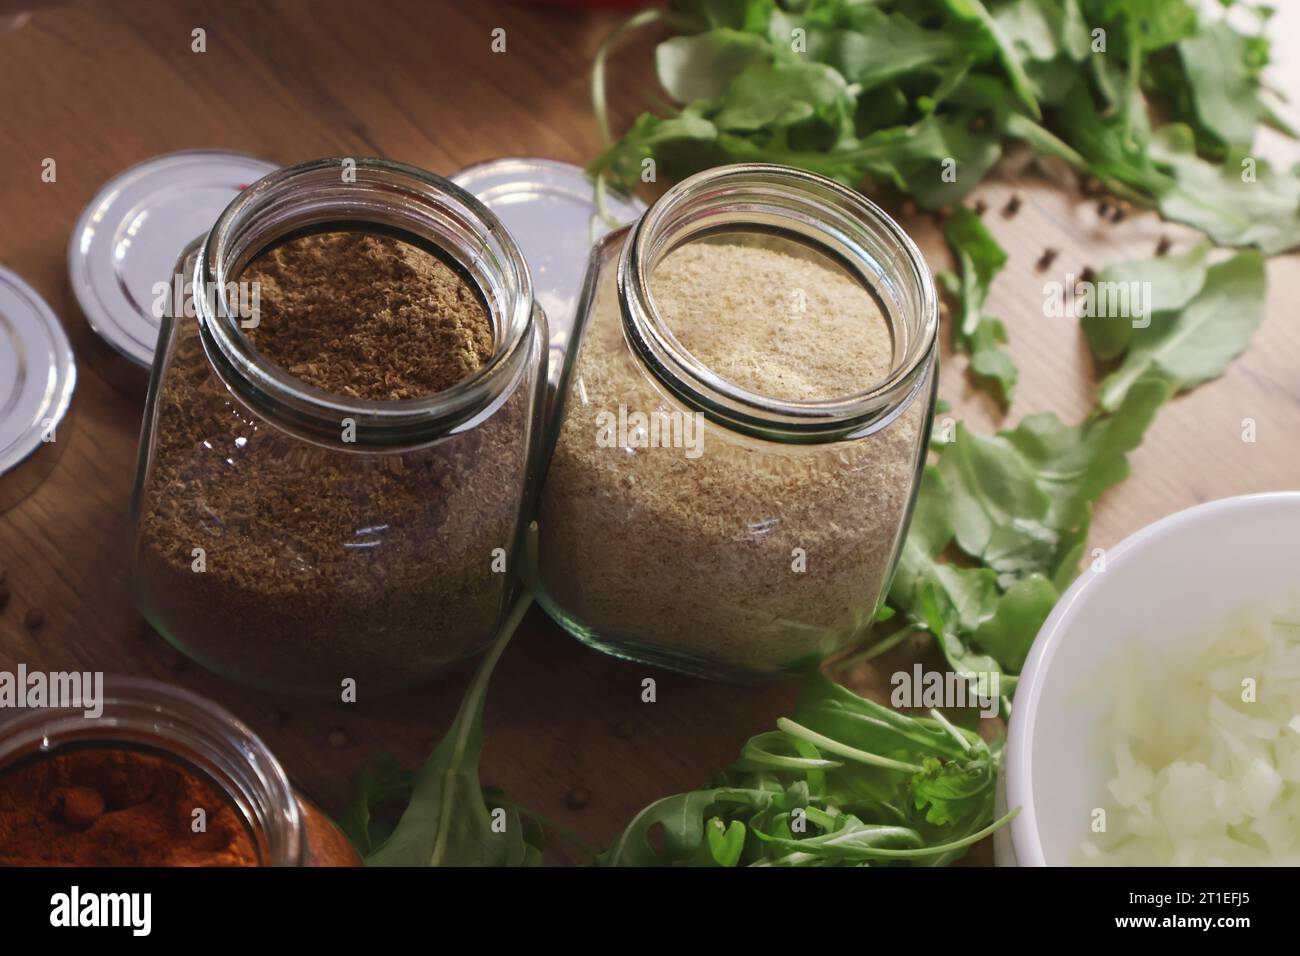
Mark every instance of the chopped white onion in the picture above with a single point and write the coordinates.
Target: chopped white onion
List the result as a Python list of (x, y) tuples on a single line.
[(1206, 755)]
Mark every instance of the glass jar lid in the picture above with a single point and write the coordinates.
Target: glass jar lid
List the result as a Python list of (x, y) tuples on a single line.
[(550, 209), (127, 238), (37, 376)]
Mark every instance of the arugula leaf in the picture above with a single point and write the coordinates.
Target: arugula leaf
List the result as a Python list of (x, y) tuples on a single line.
[(385, 781), (1009, 632), (702, 66), (1044, 30), (748, 15), (881, 47), (1114, 146), (1020, 502), (847, 841), (1069, 552), (1073, 465), (774, 96), (647, 138), (947, 600), (722, 846), (950, 792), (1223, 85), (979, 259), (1072, 32), (1242, 203), (833, 710), (953, 603), (1191, 346), (1173, 281), (894, 93), (928, 536), (992, 491), (848, 782), (975, 12), (681, 820), (448, 822), (1157, 24), (920, 151)]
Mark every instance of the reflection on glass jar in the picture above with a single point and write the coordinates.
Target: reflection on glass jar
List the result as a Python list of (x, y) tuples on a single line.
[(742, 427), (297, 538)]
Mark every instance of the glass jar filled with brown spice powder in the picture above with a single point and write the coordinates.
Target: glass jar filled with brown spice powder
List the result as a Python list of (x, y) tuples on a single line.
[(340, 433), (742, 426), (159, 777)]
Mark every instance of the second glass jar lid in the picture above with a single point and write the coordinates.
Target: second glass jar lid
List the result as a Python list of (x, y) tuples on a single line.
[(550, 209), (127, 238)]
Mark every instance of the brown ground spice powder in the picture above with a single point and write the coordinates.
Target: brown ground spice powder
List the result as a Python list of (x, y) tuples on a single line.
[(327, 563), (696, 556), (116, 808), (368, 316)]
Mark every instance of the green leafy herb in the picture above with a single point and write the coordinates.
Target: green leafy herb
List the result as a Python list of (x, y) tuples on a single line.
[(1224, 82), (993, 493), (979, 259), (1073, 465), (1019, 503), (880, 47), (1244, 202), (847, 782), (384, 783), (1173, 282), (702, 66), (448, 822), (1195, 344), (975, 11), (1021, 610), (921, 94)]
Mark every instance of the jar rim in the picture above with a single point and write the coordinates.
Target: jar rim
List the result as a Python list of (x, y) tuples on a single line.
[(825, 210), (417, 199), (141, 712)]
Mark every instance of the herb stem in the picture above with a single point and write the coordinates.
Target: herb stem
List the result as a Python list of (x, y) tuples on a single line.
[(952, 731), (473, 705), (882, 646), (940, 848), (602, 207), (599, 98), (844, 750)]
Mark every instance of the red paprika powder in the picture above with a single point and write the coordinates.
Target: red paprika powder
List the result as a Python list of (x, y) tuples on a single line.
[(161, 778), (116, 807)]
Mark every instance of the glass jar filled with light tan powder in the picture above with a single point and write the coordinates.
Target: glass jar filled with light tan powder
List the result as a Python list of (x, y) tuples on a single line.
[(341, 433), (741, 428)]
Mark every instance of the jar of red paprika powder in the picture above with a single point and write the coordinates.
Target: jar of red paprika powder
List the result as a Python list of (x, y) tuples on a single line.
[(160, 776)]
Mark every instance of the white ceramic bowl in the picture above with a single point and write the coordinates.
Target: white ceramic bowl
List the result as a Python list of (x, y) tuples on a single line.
[(1168, 585)]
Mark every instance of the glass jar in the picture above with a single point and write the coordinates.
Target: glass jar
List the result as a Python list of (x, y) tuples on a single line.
[(296, 539), (148, 717), (766, 542)]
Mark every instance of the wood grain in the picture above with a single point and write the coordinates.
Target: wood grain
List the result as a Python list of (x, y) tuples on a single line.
[(99, 87)]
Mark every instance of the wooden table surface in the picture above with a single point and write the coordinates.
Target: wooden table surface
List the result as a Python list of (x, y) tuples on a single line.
[(98, 87)]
